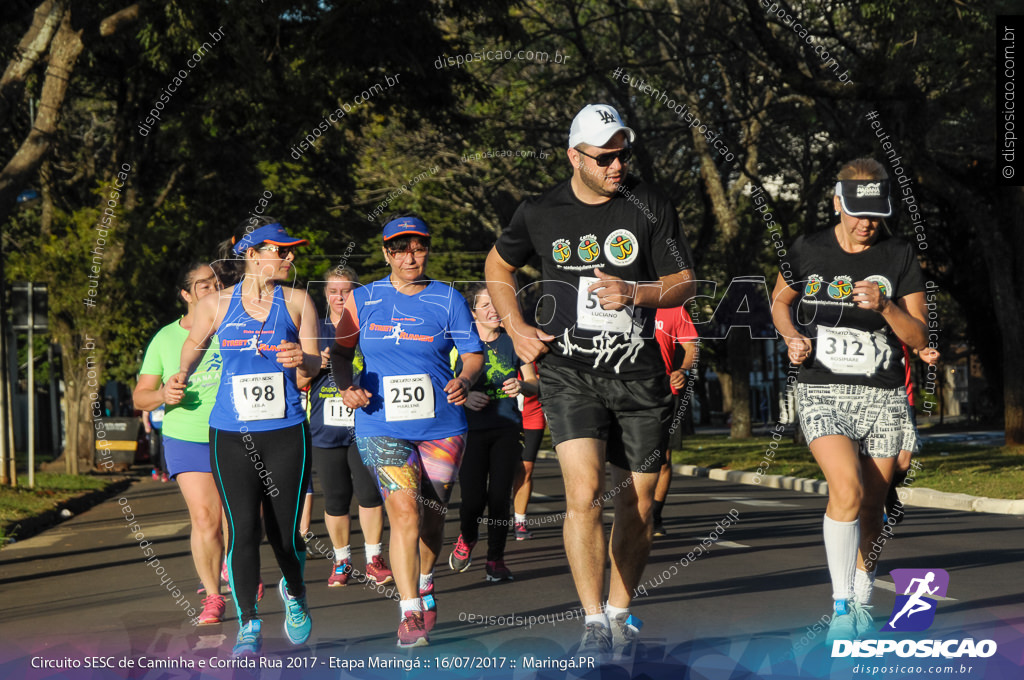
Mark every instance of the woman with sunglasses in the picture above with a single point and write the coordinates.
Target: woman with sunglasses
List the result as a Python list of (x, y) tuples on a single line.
[(259, 437), (186, 430), (410, 427), (857, 295)]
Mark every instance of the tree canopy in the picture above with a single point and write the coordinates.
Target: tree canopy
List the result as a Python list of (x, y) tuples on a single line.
[(335, 114)]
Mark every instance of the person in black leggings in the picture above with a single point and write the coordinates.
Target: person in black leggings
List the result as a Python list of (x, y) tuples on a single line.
[(259, 438), (494, 443), (335, 455)]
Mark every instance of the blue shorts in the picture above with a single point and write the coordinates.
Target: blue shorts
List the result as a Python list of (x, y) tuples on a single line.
[(182, 456)]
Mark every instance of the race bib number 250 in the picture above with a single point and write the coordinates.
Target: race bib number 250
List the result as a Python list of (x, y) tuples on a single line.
[(408, 397)]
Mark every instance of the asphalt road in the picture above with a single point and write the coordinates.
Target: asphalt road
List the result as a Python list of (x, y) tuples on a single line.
[(746, 607)]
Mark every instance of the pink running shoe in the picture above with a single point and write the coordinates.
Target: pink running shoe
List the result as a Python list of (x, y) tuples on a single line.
[(213, 610)]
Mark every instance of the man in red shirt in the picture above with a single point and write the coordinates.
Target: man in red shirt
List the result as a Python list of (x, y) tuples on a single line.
[(673, 327)]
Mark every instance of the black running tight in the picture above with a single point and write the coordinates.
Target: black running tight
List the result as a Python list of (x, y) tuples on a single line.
[(269, 471), (485, 479)]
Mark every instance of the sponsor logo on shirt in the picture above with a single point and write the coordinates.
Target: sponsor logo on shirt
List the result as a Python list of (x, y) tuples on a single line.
[(813, 284), (561, 251), (883, 284), (621, 247), (589, 249), (841, 287)]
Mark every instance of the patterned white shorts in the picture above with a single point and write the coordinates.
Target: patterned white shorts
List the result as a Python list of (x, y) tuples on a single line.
[(876, 417)]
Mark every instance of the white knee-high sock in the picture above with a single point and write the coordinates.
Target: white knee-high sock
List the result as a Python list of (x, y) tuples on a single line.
[(841, 542), (863, 584)]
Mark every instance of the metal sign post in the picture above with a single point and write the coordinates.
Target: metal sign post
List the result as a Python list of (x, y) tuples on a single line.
[(35, 320)]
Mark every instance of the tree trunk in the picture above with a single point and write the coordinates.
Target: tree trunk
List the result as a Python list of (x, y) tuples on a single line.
[(64, 51), (739, 367)]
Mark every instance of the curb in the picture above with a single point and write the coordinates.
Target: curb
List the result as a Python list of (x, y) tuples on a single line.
[(914, 496), (22, 529)]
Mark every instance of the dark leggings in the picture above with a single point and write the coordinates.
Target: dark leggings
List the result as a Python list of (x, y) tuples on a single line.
[(268, 470), (495, 454), (531, 444), (341, 470)]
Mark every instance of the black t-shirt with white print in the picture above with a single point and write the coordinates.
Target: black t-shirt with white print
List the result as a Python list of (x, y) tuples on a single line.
[(634, 236), (852, 346)]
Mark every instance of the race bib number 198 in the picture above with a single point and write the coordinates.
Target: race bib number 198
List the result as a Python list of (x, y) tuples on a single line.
[(259, 396)]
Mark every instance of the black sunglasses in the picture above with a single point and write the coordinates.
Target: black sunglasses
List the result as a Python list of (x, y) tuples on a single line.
[(606, 159)]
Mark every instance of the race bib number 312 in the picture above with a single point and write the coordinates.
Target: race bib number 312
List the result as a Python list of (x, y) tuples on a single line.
[(846, 351)]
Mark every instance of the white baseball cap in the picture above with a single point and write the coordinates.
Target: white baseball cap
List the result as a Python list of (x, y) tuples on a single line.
[(595, 124)]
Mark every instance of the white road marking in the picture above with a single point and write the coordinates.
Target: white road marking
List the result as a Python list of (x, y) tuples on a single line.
[(755, 502)]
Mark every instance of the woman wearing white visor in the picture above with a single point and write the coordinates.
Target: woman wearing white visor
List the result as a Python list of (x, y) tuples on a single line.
[(855, 295)]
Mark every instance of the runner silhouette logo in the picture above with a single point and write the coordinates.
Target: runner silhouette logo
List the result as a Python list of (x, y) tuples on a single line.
[(914, 610)]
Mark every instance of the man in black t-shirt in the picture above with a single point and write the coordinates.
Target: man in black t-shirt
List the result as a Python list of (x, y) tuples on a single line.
[(612, 251)]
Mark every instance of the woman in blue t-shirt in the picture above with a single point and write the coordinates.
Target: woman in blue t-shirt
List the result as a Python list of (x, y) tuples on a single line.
[(259, 437), (410, 426), (494, 444), (850, 297)]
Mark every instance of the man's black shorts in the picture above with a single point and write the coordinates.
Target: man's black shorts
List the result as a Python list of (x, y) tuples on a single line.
[(633, 416)]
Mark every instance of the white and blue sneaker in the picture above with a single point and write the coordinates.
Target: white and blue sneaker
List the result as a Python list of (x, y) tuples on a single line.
[(297, 622), (843, 625), (862, 617), (249, 639)]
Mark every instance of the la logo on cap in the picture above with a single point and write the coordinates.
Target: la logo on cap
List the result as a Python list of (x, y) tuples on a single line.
[(872, 189), (606, 116)]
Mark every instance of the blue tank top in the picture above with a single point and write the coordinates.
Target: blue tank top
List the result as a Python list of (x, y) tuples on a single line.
[(256, 392), (326, 417)]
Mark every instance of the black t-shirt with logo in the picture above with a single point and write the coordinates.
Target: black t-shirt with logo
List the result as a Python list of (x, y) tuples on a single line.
[(634, 236), (852, 346)]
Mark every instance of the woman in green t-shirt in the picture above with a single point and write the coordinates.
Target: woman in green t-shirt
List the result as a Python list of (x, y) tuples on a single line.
[(186, 432)]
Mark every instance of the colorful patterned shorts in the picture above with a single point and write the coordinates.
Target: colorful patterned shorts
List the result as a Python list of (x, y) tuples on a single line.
[(427, 468)]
